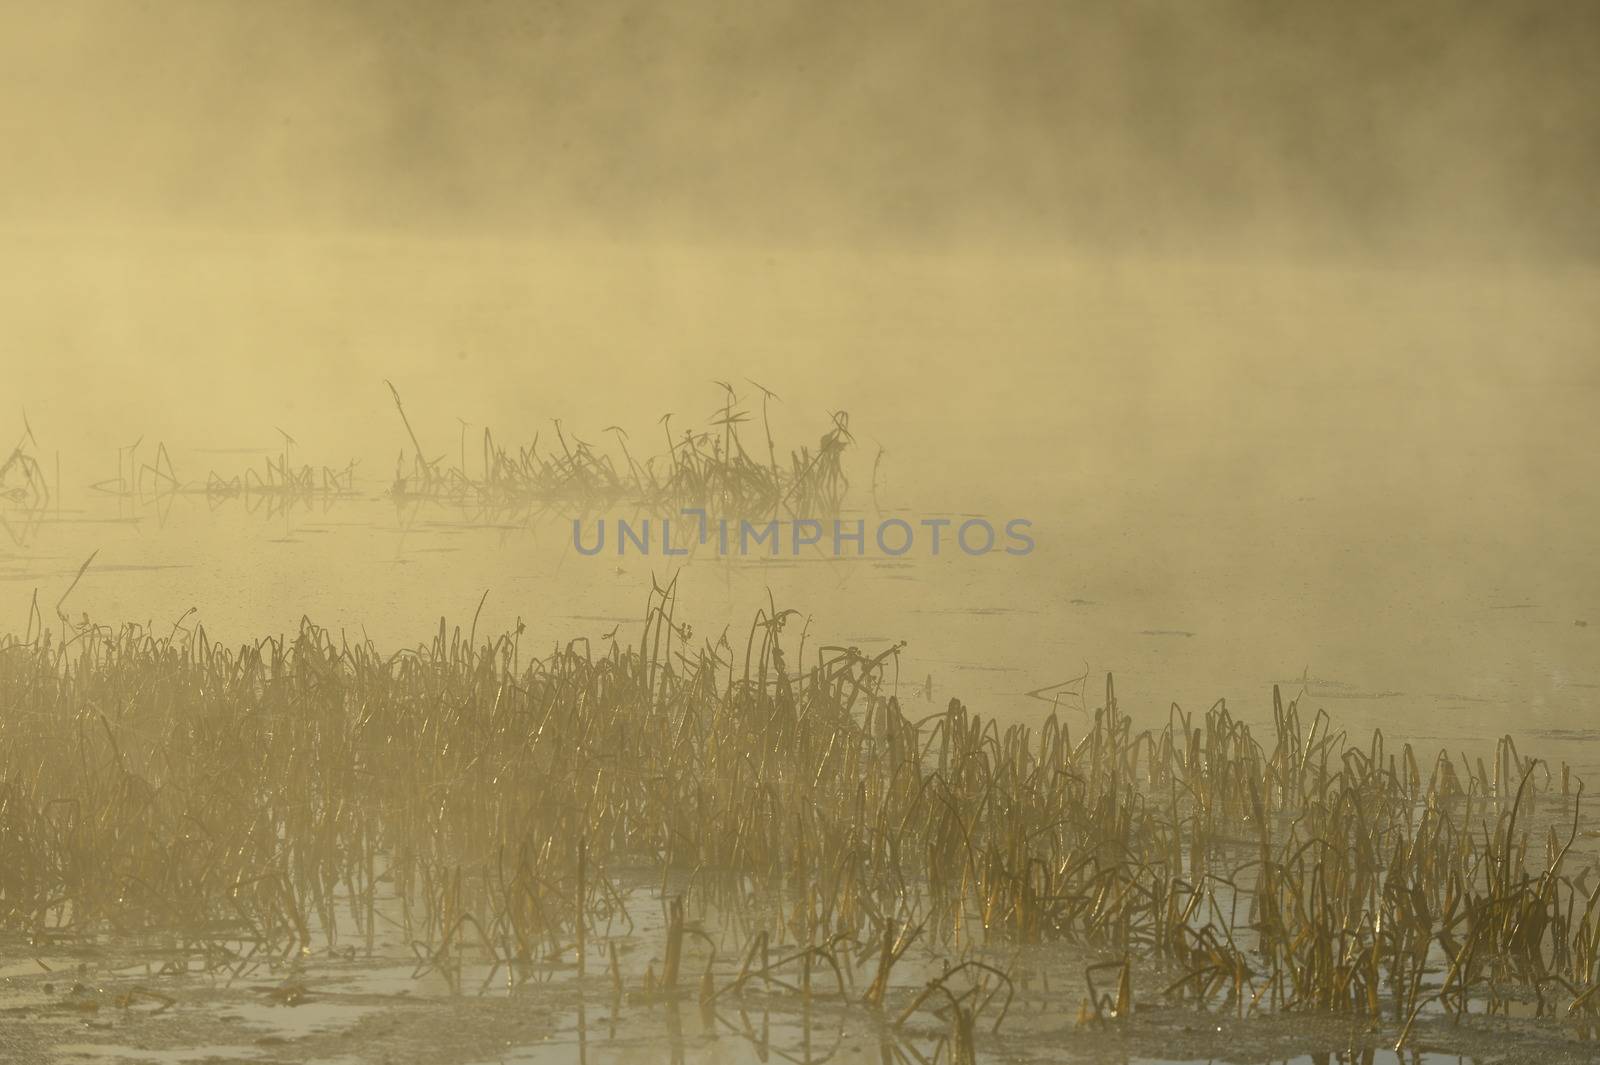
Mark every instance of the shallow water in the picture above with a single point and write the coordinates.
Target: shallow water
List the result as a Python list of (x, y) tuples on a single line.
[(1458, 663), (358, 1007)]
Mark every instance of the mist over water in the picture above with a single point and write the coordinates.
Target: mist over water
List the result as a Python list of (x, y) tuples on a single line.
[(1239, 473), (1439, 129), (1277, 321), (1274, 323)]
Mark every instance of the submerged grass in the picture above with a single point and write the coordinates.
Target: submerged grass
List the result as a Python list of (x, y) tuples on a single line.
[(268, 799), (24, 488)]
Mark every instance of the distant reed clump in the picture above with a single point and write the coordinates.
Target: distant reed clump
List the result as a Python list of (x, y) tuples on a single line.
[(280, 477), (710, 469), (292, 792)]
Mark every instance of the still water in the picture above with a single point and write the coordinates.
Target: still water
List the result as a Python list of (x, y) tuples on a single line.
[(1454, 663), (1381, 486)]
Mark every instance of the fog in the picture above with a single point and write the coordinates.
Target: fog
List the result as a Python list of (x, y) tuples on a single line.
[(1437, 130), (1273, 325), (1178, 269)]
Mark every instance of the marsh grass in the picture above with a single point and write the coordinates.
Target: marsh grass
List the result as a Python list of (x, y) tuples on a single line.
[(479, 800), (279, 481), (141, 481), (708, 468), (281, 476)]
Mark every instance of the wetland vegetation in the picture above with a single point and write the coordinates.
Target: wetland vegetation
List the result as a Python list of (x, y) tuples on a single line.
[(762, 816)]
